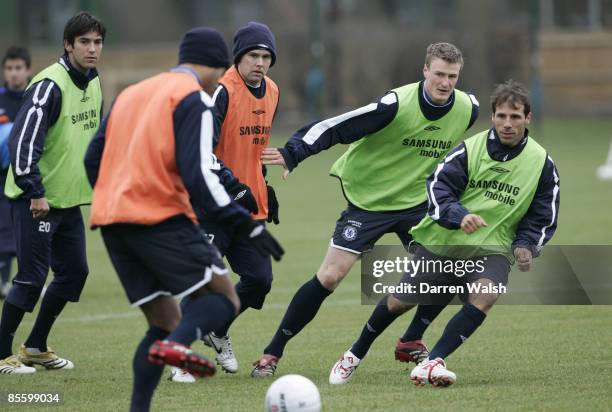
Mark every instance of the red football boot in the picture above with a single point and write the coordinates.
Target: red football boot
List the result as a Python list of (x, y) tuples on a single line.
[(176, 354)]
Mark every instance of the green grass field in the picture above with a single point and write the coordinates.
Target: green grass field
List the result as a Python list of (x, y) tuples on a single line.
[(523, 358)]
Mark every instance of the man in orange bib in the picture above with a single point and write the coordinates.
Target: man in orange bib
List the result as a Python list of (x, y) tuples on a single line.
[(245, 103), (150, 161)]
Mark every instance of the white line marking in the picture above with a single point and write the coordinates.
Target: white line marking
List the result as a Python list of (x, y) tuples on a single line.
[(137, 314)]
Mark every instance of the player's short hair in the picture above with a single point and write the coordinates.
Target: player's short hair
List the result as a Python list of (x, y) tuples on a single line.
[(80, 24), (445, 51), (511, 92), (17, 52)]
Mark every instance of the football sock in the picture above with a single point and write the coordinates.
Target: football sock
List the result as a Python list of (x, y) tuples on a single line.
[(50, 308), (146, 374), (380, 319), (251, 296), (425, 314), (302, 309), (9, 322), (5, 269), (222, 331), (202, 315), (458, 329)]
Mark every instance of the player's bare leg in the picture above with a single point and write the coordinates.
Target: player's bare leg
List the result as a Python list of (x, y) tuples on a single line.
[(305, 305), (336, 265)]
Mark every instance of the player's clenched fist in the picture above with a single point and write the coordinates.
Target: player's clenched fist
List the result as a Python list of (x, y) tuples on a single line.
[(472, 223), (39, 208), (523, 258)]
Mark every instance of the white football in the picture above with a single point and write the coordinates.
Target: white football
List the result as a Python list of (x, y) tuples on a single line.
[(293, 393)]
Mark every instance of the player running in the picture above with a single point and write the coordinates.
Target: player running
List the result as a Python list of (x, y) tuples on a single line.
[(150, 161), (493, 200), (396, 143), (245, 105)]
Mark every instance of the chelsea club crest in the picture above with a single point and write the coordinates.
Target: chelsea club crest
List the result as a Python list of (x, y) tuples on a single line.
[(349, 233)]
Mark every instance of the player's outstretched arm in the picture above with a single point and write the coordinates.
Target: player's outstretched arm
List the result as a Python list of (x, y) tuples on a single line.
[(344, 129)]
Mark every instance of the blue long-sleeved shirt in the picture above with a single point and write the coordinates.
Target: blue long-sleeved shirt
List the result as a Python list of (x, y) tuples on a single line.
[(352, 126), (10, 102), (451, 179), (193, 132), (40, 110)]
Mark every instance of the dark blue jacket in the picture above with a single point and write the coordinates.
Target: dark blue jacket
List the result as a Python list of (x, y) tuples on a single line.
[(10, 102)]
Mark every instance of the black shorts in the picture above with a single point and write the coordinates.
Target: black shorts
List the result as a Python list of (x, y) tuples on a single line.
[(242, 256), (438, 287), (56, 241), (358, 230), (172, 258)]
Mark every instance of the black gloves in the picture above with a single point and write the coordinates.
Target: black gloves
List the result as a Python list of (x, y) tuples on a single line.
[(261, 239), (272, 206), (241, 193)]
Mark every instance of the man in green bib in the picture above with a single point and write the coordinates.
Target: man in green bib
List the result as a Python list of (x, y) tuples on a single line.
[(46, 186), (396, 142), (493, 201)]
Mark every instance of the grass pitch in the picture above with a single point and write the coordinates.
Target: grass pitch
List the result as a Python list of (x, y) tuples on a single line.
[(523, 357)]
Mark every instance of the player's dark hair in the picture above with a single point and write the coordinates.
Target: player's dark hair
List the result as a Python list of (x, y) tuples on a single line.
[(511, 92), (445, 51), (18, 52), (80, 24)]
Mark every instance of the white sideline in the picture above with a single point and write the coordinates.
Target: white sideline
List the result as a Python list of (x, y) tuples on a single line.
[(137, 313)]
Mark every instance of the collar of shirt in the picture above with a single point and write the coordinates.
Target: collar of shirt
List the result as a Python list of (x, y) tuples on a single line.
[(188, 70), (428, 101), (81, 80), (258, 92), (499, 151), (431, 111)]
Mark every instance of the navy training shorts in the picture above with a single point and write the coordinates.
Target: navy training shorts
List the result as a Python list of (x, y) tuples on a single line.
[(172, 258), (358, 230)]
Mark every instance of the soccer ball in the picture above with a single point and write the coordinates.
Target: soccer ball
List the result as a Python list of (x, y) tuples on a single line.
[(293, 393)]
